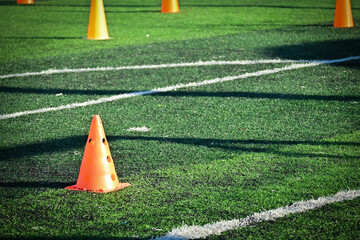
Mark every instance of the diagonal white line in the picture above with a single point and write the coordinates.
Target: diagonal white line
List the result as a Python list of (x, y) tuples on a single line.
[(165, 89), (194, 232), (175, 87), (170, 65)]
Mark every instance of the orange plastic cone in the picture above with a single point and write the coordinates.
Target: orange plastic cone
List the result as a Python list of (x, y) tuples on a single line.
[(170, 6), (97, 29), (97, 171), (343, 15), (25, 1)]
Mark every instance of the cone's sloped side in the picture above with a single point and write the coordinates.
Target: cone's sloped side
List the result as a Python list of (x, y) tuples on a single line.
[(25, 1), (343, 14), (97, 29), (170, 6), (97, 171)]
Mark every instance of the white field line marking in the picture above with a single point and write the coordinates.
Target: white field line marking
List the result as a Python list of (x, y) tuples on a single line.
[(193, 232), (171, 65), (175, 87)]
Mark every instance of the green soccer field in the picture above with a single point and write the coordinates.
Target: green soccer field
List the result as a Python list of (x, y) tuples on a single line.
[(248, 106)]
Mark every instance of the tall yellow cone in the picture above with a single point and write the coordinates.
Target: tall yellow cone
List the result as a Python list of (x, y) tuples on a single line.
[(170, 6), (25, 1), (97, 171), (343, 15), (97, 29)]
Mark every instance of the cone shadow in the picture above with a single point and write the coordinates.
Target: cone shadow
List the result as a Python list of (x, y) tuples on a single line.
[(35, 38), (78, 237), (255, 6), (54, 185), (255, 95), (78, 142)]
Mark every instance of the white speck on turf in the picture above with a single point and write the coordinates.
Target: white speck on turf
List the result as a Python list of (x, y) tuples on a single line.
[(139, 129)]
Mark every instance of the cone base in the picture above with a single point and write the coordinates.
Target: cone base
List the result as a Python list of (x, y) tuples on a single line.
[(75, 188), (170, 6), (25, 1), (170, 12), (104, 38), (344, 26)]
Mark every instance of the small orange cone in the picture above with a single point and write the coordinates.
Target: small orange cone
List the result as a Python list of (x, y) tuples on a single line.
[(25, 1), (97, 29), (343, 15), (170, 6), (97, 171)]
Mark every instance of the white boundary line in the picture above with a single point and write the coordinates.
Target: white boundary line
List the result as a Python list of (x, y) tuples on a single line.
[(194, 232), (171, 65), (175, 87)]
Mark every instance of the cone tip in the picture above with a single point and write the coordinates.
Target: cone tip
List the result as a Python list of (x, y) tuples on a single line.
[(96, 118)]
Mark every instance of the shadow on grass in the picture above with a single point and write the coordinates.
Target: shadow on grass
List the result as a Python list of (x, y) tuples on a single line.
[(13, 2), (55, 185), (55, 91), (257, 6), (135, 11), (109, 11), (106, 5), (256, 95), (284, 24), (79, 237), (56, 145), (319, 50), (55, 38), (260, 95), (8, 3), (238, 146)]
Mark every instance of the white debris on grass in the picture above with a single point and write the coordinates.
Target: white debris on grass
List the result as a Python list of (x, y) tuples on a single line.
[(139, 129)]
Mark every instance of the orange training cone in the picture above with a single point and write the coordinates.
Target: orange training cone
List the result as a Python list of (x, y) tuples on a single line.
[(343, 15), (25, 1), (170, 6), (97, 29), (97, 171)]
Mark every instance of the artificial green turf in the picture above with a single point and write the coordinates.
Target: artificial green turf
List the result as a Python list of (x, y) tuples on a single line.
[(161, 199), (215, 152), (50, 27), (335, 221)]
